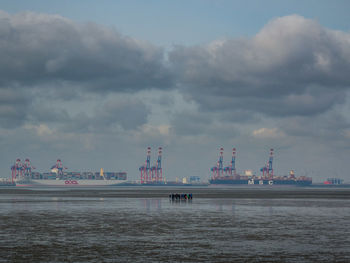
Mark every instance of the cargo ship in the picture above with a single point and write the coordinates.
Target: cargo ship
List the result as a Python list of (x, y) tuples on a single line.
[(6, 182), (333, 183), (22, 175), (228, 176)]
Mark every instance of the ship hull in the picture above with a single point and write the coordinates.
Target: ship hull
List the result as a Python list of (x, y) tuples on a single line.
[(7, 184), (71, 183), (259, 182)]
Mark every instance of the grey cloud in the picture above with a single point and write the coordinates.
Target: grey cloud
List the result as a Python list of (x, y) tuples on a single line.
[(79, 123), (330, 127), (13, 107), (293, 66), (185, 123), (203, 123), (243, 116), (50, 58), (37, 48), (313, 101), (116, 114), (223, 124), (129, 113)]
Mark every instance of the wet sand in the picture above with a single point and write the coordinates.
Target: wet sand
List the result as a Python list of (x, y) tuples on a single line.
[(198, 192), (140, 224)]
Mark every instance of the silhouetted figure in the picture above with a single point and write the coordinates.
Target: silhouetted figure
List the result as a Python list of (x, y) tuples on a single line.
[(180, 197)]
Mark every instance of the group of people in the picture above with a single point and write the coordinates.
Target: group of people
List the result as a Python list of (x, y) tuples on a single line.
[(176, 197)]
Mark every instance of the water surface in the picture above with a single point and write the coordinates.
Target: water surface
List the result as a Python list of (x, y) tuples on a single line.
[(142, 225)]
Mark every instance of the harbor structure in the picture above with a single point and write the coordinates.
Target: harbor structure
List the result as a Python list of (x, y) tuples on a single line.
[(228, 175), (22, 174), (154, 174)]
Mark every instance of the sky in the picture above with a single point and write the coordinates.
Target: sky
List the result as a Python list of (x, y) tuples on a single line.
[(95, 83)]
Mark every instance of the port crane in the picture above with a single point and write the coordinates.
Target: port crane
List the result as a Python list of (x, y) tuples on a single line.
[(59, 167)]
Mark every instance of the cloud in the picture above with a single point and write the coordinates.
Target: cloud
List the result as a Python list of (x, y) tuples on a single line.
[(267, 133), (39, 48), (41, 130), (47, 60), (203, 126), (330, 127), (13, 107), (292, 67), (116, 114), (128, 113)]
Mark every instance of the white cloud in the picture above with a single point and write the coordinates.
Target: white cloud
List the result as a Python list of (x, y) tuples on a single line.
[(292, 67), (152, 130), (267, 133), (41, 130)]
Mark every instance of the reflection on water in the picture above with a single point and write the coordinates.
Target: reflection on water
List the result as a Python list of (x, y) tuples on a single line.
[(39, 228), (151, 204)]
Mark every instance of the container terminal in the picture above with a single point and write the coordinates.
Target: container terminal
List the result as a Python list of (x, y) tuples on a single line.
[(22, 174), (228, 175), (153, 175)]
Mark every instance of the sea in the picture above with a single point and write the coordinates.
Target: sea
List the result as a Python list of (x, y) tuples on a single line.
[(141, 224)]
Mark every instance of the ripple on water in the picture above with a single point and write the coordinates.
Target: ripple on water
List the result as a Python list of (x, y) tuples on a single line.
[(76, 229)]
